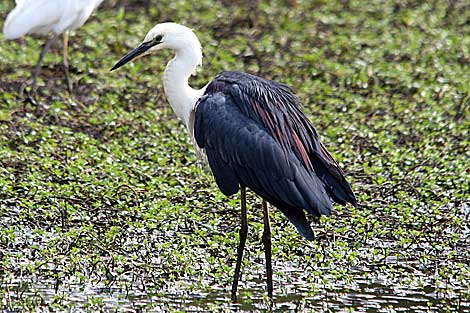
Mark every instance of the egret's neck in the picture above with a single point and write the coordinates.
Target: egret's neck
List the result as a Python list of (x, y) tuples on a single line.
[(181, 96)]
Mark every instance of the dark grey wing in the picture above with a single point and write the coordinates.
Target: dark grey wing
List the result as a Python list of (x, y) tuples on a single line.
[(274, 106), (241, 151)]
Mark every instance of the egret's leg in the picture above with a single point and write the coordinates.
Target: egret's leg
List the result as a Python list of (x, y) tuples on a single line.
[(267, 249), (66, 62), (46, 47), (241, 245)]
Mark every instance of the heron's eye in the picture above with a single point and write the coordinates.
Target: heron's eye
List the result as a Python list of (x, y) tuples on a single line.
[(158, 38)]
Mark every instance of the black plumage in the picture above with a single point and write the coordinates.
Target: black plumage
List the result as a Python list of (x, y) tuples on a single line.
[(255, 135)]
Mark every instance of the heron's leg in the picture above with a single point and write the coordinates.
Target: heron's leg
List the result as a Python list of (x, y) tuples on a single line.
[(66, 62), (46, 47), (267, 249), (241, 245)]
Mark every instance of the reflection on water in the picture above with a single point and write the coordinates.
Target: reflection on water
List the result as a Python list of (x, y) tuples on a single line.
[(366, 297)]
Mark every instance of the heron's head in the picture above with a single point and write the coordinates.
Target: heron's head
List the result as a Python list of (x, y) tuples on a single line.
[(165, 36)]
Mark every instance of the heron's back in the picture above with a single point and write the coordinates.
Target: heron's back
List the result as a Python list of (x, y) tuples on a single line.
[(255, 135)]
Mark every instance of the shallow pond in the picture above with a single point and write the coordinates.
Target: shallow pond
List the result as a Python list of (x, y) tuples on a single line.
[(366, 296)]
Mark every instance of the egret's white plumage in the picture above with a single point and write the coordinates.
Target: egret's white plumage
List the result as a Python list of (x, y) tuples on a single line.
[(46, 16)]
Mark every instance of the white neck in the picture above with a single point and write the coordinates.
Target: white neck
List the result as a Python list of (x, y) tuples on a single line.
[(181, 96)]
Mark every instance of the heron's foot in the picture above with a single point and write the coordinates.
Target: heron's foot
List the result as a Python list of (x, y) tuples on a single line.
[(28, 94), (27, 90), (29, 99), (69, 83), (234, 297), (74, 102)]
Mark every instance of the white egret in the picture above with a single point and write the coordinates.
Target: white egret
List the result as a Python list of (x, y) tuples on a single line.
[(253, 134), (48, 16)]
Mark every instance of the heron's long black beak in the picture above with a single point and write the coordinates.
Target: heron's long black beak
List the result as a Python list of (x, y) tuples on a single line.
[(141, 49)]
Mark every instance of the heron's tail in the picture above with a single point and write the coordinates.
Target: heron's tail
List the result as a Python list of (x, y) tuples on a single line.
[(332, 177), (297, 217)]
